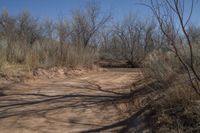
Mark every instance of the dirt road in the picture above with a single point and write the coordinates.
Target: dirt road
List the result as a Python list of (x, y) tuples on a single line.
[(64, 104)]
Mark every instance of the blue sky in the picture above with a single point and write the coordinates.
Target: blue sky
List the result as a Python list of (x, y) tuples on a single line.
[(54, 8)]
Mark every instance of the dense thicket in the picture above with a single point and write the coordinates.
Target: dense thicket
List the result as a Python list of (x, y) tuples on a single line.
[(167, 47), (26, 40)]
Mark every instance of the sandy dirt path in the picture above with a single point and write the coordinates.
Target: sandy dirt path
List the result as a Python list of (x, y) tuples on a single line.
[(66, 105)]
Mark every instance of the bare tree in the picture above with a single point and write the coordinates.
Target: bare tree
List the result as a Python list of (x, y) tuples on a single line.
[(136, 39), (28, 32), (86, 23), (194, 34), (64, 31), (27, 28), (166, 13), (48, 29), (149, 37), (8, 30)]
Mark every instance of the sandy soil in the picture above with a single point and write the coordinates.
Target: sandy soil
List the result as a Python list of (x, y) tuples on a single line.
[(65, 104)]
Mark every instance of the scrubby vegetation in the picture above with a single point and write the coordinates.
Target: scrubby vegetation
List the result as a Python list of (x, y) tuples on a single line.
[(167, 49), (176, 69), (25, 40)]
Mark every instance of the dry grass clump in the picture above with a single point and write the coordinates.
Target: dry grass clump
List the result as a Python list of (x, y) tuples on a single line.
[(68, 42), (178, 111), (15, 72), (2, 56), (47, 56), (161, 66), (2, 61), (43, 55)]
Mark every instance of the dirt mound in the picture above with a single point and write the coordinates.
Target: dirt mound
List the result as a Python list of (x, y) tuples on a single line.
[(50, 73), (63, 71), (19, 76), (22, 74)]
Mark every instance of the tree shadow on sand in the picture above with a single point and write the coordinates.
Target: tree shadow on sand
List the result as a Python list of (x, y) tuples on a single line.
[(136, 121), (15, 105)]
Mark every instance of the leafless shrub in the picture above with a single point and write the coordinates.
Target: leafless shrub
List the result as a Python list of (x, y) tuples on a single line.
[(165, 13), (177, 68), (87, 23), (130, 40), (7, 26), (178, 111), (161, 66), (63, 30), (2, 57), (64, 43)]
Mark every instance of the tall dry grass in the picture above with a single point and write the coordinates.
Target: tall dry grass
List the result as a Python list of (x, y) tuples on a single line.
[(178, 109), (46, 55)]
